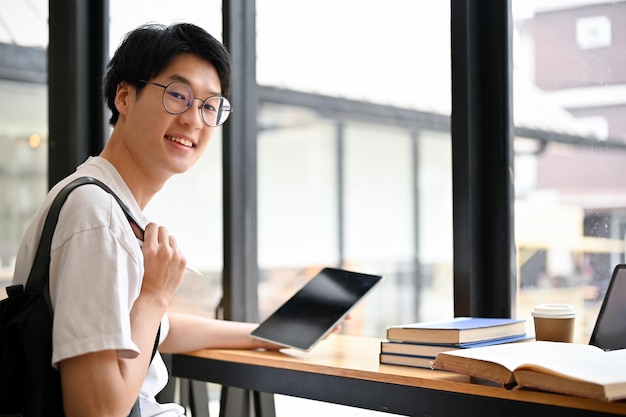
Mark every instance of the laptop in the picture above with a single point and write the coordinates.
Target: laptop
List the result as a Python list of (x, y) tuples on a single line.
[(609, 332), (314, 310)]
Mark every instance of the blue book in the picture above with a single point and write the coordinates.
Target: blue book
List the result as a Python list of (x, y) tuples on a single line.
[(397, 347), (458, 330), (406, 360)]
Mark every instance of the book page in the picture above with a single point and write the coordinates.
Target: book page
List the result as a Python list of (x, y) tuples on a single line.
[(602, 368), (515, 354)]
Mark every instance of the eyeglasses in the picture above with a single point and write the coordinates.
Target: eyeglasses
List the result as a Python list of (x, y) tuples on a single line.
[(178, 98)]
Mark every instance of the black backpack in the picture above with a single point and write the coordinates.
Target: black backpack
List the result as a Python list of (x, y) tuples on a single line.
[(29, 385)]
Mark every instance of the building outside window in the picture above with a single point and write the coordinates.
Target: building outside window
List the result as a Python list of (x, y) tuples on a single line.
[(570, 189)]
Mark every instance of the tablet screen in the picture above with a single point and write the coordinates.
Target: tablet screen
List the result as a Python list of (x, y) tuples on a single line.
[(609, 332), (316, 308)]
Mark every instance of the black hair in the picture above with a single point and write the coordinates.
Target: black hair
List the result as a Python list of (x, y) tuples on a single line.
[(149, 49)]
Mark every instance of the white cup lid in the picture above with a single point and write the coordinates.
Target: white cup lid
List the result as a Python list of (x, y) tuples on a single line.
[(557, 311)]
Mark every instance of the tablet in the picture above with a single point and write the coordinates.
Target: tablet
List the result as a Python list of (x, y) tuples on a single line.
[(314, 311), (609, 332)]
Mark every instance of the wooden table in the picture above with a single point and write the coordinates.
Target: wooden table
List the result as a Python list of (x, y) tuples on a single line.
[(345, 370)]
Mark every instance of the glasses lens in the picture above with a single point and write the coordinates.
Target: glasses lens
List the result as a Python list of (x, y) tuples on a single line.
[(177, 98), (216, 110)]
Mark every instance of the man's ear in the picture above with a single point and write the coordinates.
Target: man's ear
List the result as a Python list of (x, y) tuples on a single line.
[(122, 95)]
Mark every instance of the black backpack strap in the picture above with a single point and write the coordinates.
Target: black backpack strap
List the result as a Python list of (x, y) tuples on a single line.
[(39, 276)]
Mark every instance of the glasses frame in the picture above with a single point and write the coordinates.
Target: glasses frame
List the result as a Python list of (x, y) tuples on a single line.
[(201, 107)]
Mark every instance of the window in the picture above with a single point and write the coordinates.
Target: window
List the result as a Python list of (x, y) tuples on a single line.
[(24, 121), (354, 161), (570, 207)]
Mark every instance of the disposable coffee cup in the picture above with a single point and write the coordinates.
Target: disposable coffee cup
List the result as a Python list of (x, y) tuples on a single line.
[(554, 322)]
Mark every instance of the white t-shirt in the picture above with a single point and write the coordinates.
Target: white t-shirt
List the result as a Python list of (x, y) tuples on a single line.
[(96, 269)]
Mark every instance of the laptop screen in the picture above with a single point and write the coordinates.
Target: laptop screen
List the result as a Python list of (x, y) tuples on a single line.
[(609, 332)]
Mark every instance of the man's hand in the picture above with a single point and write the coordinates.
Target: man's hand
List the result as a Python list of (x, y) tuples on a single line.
[(164, 264)]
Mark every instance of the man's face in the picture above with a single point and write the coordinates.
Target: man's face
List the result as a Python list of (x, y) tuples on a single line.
[(165, 144)]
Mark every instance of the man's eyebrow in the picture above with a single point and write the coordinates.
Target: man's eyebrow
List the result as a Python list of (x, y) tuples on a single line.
[(177, 77), (181, 78)]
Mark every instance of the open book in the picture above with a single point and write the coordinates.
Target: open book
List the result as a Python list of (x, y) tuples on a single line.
[(566, 368)]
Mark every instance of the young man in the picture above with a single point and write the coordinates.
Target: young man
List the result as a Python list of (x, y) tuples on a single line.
[(166, 88)]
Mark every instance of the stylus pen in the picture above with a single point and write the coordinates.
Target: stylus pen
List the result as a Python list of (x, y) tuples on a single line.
[(139, 233)]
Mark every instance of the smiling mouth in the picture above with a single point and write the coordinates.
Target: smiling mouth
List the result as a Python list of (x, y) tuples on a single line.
[(182, 141)]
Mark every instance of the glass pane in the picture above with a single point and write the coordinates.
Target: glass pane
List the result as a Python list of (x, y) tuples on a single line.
[(570, 150), (190, 205), (297, 201), (298, 196), (24, 121), (354, 153)]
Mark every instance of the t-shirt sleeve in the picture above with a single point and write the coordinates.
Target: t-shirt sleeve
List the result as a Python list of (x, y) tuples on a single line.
[(95, 276)]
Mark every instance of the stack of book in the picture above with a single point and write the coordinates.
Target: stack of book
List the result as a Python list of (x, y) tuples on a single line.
[(417, 344)]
